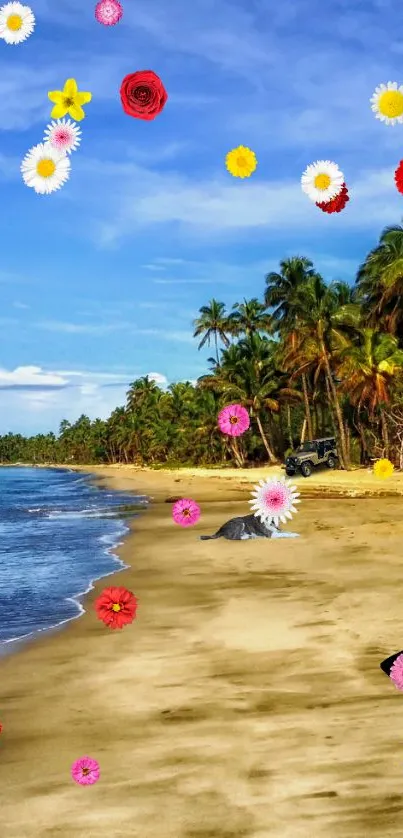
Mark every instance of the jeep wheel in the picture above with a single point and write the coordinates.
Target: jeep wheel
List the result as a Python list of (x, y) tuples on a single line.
[(290, 472), (306, 469), (331, 462)]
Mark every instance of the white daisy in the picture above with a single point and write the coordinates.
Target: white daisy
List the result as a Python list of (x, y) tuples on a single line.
[(45, 169), (387, 102), (17, 23), (63, 135), (274, 500), (322, 181)]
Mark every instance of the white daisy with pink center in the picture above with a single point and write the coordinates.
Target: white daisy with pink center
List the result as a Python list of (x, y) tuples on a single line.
[(63, 135), (274, 500)]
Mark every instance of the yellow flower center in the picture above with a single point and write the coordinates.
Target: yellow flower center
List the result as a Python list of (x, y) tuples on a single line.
[(68, 102), (233, 420), (241, 161), (186, 513), (322, 182), (116, 607), (14, 22), (45, 167), (391, 103), (85, 772)]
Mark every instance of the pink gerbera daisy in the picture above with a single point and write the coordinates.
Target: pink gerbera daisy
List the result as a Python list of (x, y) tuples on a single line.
[(185, 512), (396, 673), (274, 500), (233, 420), (64, 135), (108, 12), (85, 771)]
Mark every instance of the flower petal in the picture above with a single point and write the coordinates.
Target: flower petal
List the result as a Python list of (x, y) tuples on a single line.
[(76, 112), (83, 98), (58, 111), (70, 89), (55, 96)]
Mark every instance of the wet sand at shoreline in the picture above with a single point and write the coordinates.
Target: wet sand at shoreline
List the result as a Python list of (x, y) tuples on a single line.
[(246, 701)]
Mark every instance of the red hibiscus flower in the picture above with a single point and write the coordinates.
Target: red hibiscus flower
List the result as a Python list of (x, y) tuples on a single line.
[(143, 95), (336, 204), (399, 177), (116, 607)]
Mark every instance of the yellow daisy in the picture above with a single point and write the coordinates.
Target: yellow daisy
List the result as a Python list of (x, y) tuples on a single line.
[(241, 161), (383, 468), (69, 101), (387, 102)]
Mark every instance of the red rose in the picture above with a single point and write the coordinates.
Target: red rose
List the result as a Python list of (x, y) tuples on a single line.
[(336, 204), (143, 95), (399, 177)]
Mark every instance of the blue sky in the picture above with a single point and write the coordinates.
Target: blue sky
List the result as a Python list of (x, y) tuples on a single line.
[(101, 281)]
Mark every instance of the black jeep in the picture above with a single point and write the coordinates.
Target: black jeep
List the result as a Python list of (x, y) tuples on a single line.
[(311, 454)]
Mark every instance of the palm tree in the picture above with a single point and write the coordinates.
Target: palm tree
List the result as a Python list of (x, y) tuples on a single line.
[(368, 371), (282, 293), (212, 323), (281, 288), (379, 282), (248, 375), (142, 392), (249, 317), (317, 308)]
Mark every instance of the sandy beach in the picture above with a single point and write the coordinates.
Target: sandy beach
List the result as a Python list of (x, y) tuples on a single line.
[(246, 700)]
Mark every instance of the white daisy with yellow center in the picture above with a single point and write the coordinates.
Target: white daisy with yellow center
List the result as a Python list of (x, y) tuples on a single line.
[(387, 102), (45, 169), (17, 23), (322, 181)]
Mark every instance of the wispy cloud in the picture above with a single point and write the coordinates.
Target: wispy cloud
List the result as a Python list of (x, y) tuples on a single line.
[(82, 328)]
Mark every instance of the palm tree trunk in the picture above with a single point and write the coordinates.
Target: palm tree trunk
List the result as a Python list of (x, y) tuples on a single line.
[(265, 441), (306, 403), (363, 442), (344, 461), (385, 433), (236, 453), (303, 431), (216, 348), (289, 426), (330, 408)]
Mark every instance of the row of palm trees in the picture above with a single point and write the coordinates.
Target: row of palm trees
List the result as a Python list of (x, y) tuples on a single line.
[(309, 359)]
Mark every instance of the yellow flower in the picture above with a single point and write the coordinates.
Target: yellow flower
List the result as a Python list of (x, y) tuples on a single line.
[(383, 468), (241, 161), (69, 101)]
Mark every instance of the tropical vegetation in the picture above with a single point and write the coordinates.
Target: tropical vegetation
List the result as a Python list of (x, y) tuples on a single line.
[(309, 359)]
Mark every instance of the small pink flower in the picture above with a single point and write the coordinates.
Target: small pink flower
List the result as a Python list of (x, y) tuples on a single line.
[(396, 673), (185, 512), (108, 12), (85, 771), (64, 135), (233, 420)]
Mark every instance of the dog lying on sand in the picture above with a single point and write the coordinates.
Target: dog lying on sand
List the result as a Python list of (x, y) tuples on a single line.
[(248, 526)]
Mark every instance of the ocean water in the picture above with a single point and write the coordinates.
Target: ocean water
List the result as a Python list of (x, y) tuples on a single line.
[(57, 534)]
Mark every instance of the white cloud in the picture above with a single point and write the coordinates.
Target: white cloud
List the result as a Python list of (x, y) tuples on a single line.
[(96, 394), (159, 379), (217, 208), (30, 376)]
